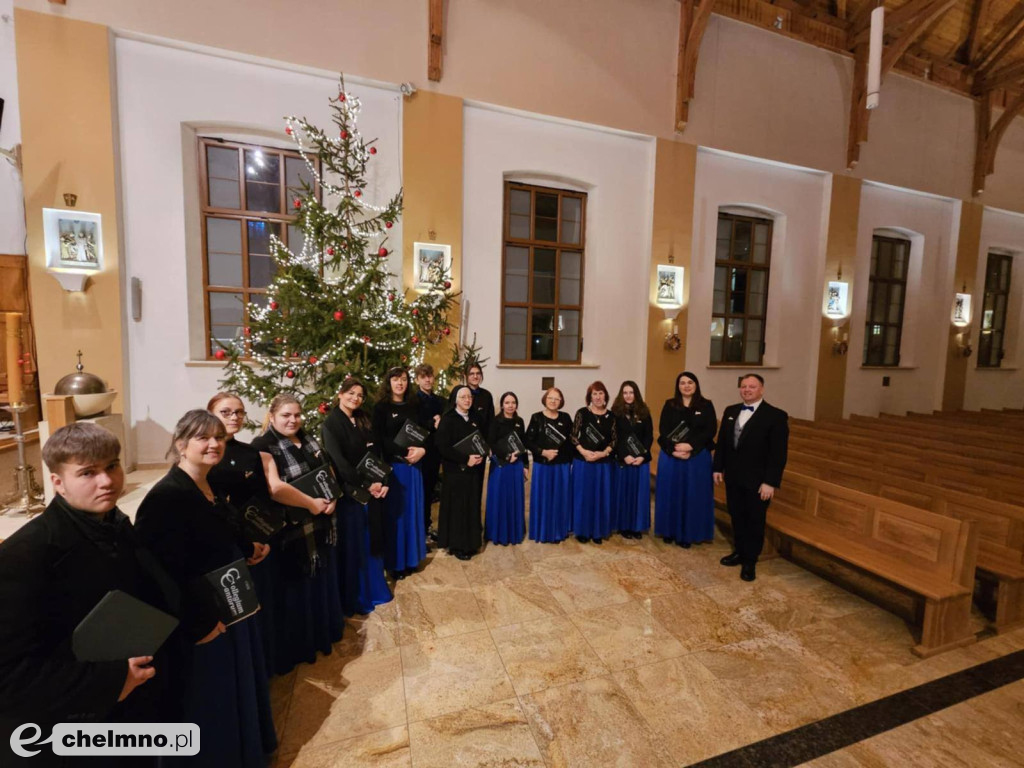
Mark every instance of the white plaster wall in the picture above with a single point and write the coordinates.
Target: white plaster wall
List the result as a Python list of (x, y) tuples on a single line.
[(798, 200), (160, 89), (617, 172), (12, 203), (1001, 387), (916, 385)]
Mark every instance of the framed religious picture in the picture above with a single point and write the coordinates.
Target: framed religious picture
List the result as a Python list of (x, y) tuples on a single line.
[(669, 290), (433, 264), (835, 299), (74, 245)]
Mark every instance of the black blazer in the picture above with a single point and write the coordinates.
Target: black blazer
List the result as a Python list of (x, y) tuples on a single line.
[(388, 419), (760, 456), (190, 537), (345, 445), (701, 420), (482, 410), (642, 428), (501, 427), (429, 406), (450, 431), (536, 441), (53, 571)]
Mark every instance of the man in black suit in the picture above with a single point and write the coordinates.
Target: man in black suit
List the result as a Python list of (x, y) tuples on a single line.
[(750, 457), (53, 571), (430, 409)]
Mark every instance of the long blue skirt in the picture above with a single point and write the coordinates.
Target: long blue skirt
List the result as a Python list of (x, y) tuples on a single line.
[(299, 615), (505, 521), (405, 535), (360, 573), (633, 497), (550, 502), (227, 696), (684, 501), (592, 499)]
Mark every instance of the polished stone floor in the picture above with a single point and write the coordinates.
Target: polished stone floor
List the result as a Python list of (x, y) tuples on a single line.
[(631, 653)]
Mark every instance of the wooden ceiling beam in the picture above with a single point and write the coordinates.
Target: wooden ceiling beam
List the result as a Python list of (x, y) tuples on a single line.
[(990, 135), (1008, 75), (968, 52), (1010, 28), (905, 14), (926, 14), (435, 40), (693, 21)]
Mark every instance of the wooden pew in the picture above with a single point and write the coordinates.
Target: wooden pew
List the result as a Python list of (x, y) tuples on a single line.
[(969, 437), (928, 555), (1000, 526)]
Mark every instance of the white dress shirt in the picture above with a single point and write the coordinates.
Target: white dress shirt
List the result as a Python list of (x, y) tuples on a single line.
[(744, 417)]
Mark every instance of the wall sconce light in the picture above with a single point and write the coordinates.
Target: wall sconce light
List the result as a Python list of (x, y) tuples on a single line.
[(840, 341), (672, 341), (963, 345)]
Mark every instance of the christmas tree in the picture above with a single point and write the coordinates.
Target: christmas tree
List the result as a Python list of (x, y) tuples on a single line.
[(333, 308)]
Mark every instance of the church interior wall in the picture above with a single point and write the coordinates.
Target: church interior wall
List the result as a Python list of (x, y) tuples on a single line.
[(12, 205)]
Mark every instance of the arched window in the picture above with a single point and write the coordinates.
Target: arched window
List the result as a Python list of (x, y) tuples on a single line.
[(887, 296), (743, 250), (992, 341)]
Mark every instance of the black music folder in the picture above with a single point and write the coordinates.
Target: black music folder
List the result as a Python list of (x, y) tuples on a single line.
[(552, 436), (506, 446), (318, 483), (234, 591), (679, 433), (592, 439), (262, 517), (472, 444), (121, 627), (411, 435)]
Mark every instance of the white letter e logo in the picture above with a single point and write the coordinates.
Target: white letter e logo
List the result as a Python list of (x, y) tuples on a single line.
[(17, 742)]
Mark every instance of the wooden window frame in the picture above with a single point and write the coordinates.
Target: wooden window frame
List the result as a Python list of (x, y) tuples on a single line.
[(243, 215), (558, 247), (748, 264), (874, 282), (991, 292)]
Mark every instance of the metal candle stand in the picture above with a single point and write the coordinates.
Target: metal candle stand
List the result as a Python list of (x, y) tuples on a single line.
[(27, 498)]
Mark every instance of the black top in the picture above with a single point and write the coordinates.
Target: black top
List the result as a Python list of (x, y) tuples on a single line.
[(450, 431), (429, 405), (190, 536), (760, 456), (536, 441), (346, 444), (501, 427), (642, 428), (388, 419), (482, 410), (701, 420), (605, 424), (53, 572), (239, 476)]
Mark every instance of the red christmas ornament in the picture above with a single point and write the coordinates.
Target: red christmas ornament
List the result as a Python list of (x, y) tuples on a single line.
[(447, 284), (312, 359), (404, 358), (323, 408), (373, 150), (362, 297), (220, 354), (290, 373), (344, 134), (273, 305), (277, 340), (415, 339), (388, 225), (297, 203), (366, 339), (358, 193), (339, 315), (295, 354), (330, 250), (415, 313), (288, 130), (391, 297), (247, 331), (446, 331), (341, 97), (382, 252)]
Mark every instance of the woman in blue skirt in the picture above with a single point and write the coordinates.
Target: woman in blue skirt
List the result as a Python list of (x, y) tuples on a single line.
[(548, 438), (405, 536), (594, 436), (632, 475), (684, 504), (505, 519), (307, 604), (223, 686), (347, 438)]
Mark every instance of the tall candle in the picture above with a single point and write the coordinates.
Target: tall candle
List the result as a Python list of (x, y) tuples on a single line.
[(13, 320)]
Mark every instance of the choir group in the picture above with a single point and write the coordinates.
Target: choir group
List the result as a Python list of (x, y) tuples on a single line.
[(316, 560)]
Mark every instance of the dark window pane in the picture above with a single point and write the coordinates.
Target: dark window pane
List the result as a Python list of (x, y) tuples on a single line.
[(543, 276), (760, 243), (756, 292), (224, 252), (517, 274), (569, 278), (295, 173), (545, 229), (738, 291), (717, 340), (741, 241), (884, 263), (547, 205), (262, 166), (895, 303), (718, 301), (515, 333), (542, 338), (734, 341), (263, 197), (572, 211)]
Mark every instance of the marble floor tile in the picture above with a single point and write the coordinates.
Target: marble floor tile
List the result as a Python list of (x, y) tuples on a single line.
[(454, 673), (584, 588), (439, 570), (686, 706), (489, 735), (593, 724), (644, 575), (376, 631), (383, 749), (780, 679), (697, 568), (885, 632), (497, 563), (432, 610), (545, 653), (338, 697), (515, 600), (697, 622), (626, 635), (537, 552)]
